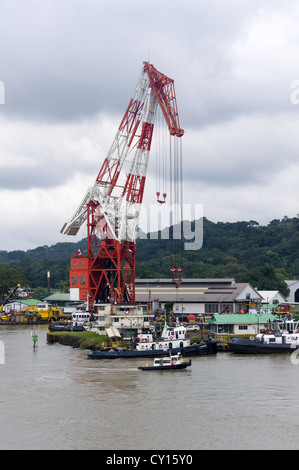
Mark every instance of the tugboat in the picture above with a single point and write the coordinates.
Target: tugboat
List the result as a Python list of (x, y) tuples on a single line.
[(80, 322), (171, 338), (172, 362), (280, 337), (172, 341)]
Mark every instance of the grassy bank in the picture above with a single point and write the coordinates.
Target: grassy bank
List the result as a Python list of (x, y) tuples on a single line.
[(78, 339)]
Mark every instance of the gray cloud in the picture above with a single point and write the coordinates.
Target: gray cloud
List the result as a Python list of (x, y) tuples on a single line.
[(72, 59), (70, 68)]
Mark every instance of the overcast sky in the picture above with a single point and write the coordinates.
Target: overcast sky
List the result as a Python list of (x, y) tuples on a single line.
[(68, 69)]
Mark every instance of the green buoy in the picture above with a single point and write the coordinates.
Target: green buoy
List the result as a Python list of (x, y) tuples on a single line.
[(34, 338)]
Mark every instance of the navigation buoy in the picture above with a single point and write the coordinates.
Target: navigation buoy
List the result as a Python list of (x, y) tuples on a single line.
[(34, 338)]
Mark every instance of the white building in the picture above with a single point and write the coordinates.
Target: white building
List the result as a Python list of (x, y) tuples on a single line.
[(293, 285), (246, 324), (272, 297), (130, 320)]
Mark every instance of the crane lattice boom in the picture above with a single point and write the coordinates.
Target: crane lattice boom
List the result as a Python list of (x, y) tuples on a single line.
[(111, 207)]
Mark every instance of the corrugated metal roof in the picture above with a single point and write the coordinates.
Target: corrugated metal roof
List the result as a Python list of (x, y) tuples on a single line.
[(199, 291), (58, 297), (243, 318), (192, 281), (25, 302)]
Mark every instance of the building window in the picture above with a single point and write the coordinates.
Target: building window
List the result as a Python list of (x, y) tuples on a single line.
[(81, 263), (211, 308), (243, 327), (75, 264), (74, 280), (82, 280), (228, 308)]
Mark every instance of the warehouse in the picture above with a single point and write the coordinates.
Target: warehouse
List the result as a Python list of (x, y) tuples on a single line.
[(203, 297)]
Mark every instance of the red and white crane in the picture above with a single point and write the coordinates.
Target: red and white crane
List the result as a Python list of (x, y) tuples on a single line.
[(111, 207)]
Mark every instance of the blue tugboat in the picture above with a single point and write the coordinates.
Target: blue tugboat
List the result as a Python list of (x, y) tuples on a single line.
[(281, 337), (172, 341)]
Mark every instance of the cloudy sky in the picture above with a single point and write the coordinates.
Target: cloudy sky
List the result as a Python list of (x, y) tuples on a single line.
[(69, 67)]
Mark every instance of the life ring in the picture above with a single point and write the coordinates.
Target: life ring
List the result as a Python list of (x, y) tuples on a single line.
[(293, 338), (251, 338), (160, 346), (172, 363), (144, 340), (270, 332), (170, 337)]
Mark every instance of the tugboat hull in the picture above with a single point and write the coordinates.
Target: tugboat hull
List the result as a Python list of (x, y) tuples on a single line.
[(184, 365), (208, 347), (246, 346)]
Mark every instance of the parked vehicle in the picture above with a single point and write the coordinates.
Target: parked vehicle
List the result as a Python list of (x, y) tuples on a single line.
[(192, 327)]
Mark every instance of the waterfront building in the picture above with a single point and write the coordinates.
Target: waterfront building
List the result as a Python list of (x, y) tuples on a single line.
[(17, 305), (238, 324), (271, 299), (200, 297), (129, 320)]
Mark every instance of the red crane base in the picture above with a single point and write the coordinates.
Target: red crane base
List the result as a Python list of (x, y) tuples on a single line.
[(111, 270), (107, 276), (112, 273)]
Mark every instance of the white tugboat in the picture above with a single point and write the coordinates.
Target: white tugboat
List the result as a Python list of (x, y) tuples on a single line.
[(171, 338), (80, 318), (172, 341), (172, 362)]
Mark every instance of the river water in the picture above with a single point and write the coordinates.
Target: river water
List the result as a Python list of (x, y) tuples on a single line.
[(53, 397)]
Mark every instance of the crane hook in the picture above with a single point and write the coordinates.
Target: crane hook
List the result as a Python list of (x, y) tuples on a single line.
[(160, 201)]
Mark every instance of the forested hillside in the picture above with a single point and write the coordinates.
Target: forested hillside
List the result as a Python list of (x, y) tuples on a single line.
[(246, 251)]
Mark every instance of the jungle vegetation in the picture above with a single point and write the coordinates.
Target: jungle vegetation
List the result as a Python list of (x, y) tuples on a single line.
[(263, 255)]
